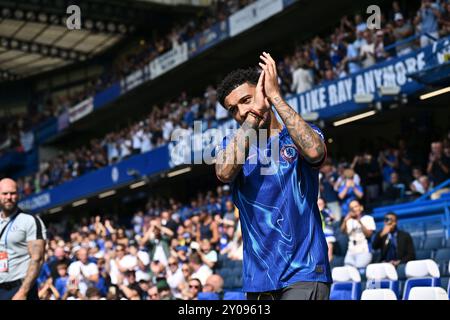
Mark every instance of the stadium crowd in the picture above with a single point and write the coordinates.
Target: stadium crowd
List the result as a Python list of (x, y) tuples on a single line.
[(173, 250), (350, 48), (48, 105), (167, 250)]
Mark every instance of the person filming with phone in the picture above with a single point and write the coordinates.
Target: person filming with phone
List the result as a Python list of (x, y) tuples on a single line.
[(396, 245)]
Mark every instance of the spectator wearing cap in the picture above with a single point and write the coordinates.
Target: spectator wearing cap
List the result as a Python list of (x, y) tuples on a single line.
[(396, 245), (182, 254), (164, 289), (427, 20), (402, 31)]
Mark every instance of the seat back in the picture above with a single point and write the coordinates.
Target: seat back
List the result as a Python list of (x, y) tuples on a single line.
[(208, 296), (422, 268), (427, 293), (345, 274), (419, 282), (234, 295), (378, 294), (345, 291), (381, 271), (421, 273)]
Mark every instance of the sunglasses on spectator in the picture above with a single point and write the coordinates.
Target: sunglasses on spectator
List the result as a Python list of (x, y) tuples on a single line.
[(173, 264), (194, 287)]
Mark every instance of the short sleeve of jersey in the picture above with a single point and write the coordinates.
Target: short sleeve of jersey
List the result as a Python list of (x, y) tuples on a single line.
[(35, 229)]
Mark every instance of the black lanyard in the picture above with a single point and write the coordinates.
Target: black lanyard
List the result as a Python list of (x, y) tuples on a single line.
[(10, 220)]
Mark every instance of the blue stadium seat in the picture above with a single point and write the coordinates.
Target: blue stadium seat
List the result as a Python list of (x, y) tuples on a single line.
[(385, 284), (443, 268), (448, 288), (418, 241), (421, 273), (423, 254), (376, 256), (433, 243), (445, 283), (401, 271), (419, 282), (208, 296), (338, 261), (442, 255), (234, 295), (346, 283), (341, 244), (345, 291)]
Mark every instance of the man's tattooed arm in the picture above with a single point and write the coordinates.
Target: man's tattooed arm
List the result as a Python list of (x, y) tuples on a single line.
[(305, 138), (229, 161), (36, 249)]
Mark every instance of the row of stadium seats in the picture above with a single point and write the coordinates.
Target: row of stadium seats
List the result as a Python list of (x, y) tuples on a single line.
[(231, 272), (423, 282)]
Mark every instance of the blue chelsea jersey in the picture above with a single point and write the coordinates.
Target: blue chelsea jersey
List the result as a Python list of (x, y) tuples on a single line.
[(281, 224)]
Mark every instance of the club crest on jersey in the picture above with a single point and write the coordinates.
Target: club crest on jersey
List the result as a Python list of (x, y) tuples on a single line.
[(289, 152)]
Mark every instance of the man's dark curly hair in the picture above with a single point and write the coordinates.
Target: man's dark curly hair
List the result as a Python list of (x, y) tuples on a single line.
[(234, 79)]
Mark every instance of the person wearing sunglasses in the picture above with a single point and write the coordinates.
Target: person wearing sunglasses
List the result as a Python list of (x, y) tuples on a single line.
[(396, 245), (195, 286)]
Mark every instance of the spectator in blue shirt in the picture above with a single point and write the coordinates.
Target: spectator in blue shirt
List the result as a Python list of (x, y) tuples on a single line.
[(63, 278), (349, 190), (427, 20)]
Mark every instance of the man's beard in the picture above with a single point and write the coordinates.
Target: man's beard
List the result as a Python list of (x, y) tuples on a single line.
[(8, 207)]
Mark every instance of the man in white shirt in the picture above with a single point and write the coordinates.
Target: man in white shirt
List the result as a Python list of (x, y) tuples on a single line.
[(359, 228), (201, 271), (302, 79), (367, 53), (83, 272), (175, 277)]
